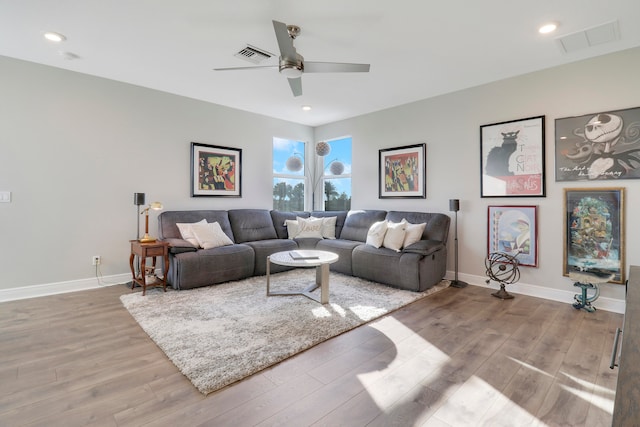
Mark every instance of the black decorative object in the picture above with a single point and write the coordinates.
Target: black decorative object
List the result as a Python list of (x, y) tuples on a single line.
[(502, 268), (454, 206), (138, 200)]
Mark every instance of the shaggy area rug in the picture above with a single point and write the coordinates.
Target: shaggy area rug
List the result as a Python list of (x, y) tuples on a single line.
[(220, 334)]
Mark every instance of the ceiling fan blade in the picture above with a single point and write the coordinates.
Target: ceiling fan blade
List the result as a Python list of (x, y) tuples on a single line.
[(246, 68), (296, 86), (334, 67), (285, 43)]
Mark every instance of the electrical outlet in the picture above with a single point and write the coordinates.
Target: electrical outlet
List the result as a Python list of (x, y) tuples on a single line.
[(96, 259)]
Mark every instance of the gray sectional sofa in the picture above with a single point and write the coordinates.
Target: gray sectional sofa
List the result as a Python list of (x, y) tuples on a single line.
[(258, 233)]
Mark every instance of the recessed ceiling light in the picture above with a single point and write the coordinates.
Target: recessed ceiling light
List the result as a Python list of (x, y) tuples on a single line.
[(306, 108), (54, 37), (548, 28)]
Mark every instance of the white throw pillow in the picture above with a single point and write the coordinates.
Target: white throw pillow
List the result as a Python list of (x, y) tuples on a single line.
[(375, 235), (210, 235), (328, 226), (187, 233), (293, 229), (413, 233), (310, 227), (394, 237)]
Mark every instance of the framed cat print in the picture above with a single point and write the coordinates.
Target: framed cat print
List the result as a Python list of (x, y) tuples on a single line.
[(512, 158)]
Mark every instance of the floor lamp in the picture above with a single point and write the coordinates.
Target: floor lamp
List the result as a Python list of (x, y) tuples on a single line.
[(454, 206)]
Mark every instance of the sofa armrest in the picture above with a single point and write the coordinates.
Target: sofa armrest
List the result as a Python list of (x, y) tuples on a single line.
[(178, 246), (424, 247)]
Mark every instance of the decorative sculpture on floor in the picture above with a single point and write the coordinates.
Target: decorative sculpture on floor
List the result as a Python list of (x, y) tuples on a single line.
[(588, 279), (502, 268)]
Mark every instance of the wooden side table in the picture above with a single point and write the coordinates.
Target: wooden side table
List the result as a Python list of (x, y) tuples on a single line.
[(144, 251)]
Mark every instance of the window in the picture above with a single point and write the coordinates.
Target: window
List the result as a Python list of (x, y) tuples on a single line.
[(334, 183), (295, 185), (288, 175)]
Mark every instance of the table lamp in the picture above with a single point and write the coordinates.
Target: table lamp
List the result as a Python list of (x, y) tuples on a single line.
[(156, 206)]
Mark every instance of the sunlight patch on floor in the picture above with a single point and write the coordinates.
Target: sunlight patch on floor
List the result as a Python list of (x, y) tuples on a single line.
[(599, 396), (531, 367)]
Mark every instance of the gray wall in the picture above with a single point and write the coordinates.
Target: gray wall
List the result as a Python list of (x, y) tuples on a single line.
[(449, 125), (74, 149)]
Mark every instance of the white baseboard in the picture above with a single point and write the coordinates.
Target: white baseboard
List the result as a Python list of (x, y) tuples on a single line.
[(603, 303), (34, 291), (12, 294)]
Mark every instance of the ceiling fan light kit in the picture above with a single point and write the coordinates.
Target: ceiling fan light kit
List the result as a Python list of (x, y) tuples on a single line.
[(291, 63)]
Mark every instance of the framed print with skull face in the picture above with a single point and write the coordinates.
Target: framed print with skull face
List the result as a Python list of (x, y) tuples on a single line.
[(599, 146)]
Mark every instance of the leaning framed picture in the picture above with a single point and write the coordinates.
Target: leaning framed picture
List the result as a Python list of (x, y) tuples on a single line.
[(512, 158), (215, 171), (599, 146), (402, 172), (594, 231), (514, 230)]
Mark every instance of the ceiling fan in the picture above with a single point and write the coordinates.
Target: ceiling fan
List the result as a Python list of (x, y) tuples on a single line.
[(292, 65)]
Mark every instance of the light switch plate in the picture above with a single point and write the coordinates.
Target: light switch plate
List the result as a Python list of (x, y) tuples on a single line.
[(5, 196)]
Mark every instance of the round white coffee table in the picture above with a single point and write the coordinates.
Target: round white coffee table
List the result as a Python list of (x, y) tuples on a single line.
[(305, 258)]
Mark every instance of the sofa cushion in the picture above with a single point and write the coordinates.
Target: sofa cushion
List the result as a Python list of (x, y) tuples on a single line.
[(167, 220), (293, 228), (424, 247), (210, 266), (341, 216), (178, 246), (413, 233), (328, 227), (309, 227), (357, 224), (187, 232), (279, 221), (344, 249), (210, 235), (263, 248), (250, 225), (394, 237), (376, 233), (437, 224)]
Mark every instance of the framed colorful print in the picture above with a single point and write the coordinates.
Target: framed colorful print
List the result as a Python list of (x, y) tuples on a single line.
[(514, 230), (512, 158), (594, 231), (215, 171), (600, 146), (402, 172)]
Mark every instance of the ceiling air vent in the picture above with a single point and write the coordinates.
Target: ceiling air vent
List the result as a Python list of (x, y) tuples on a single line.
[(604, 33), (253, 54)]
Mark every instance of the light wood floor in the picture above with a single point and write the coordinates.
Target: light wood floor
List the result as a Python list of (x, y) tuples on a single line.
[(457, 358)]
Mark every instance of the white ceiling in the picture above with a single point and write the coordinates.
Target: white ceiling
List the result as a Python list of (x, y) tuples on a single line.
[(417, 48)]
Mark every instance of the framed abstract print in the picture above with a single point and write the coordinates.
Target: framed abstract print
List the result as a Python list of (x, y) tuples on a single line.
[(215, 171), (402, 172), (512, 158), (594, 231)]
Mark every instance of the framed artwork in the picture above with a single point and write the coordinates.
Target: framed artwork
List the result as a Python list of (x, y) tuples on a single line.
[(215, 171), (594, 231), (599, 146), (514, 230), (402, 172), (512, 158)]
